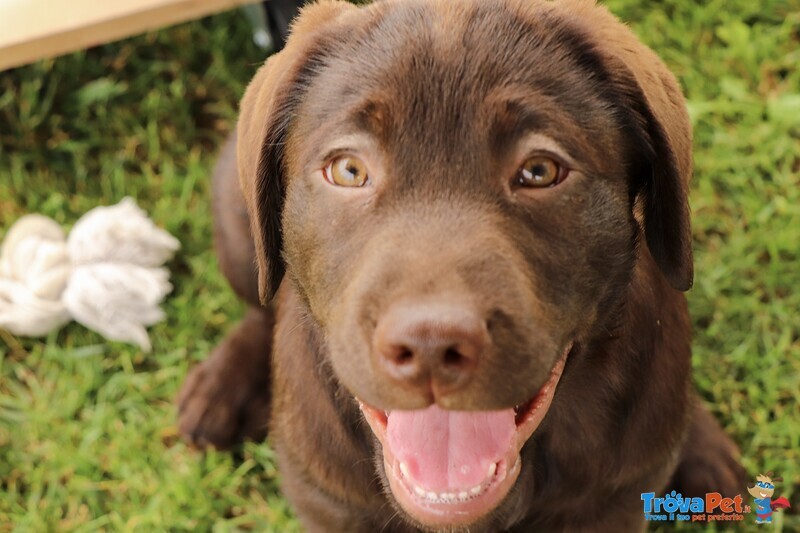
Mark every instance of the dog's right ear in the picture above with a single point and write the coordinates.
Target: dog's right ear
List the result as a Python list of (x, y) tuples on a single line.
[(264, 117)]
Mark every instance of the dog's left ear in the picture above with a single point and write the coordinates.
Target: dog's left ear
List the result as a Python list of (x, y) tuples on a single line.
[(661, 123), (663, 183), (662, 186)]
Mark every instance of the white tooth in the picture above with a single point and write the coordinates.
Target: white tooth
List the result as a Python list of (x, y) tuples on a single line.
[(419, 491), (432, 496), (404, 469), (449, 496), (492, 469), (475, 490), (463, 495)]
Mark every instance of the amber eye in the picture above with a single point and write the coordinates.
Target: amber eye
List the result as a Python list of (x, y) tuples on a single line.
[(347, 171), (538, 172)]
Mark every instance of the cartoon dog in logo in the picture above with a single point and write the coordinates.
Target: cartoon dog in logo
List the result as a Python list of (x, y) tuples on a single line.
[(762, 492)]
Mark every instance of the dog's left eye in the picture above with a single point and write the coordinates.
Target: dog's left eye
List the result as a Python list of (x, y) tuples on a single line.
[(538, 172), (346, 171)]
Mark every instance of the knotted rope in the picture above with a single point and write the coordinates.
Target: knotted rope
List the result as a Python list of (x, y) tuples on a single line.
[(106, 275)]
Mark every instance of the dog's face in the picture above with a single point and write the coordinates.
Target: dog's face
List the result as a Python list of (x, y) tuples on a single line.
[(452, 187)]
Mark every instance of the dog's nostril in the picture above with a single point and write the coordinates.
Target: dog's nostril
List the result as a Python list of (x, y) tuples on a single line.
[(452, 357), (404, 356)]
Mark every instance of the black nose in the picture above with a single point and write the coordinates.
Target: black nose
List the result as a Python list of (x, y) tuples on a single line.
[(435, 347)]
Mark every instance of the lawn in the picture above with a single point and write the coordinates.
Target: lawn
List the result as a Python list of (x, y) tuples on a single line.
[(87, 427)]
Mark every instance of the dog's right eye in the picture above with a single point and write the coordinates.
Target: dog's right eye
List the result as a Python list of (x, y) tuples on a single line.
[(346, 171)]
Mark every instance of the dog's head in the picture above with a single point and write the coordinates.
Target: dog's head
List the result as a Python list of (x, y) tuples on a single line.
[(457, 189)]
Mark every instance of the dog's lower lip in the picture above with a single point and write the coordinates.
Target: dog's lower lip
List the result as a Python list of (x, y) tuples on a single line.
[(522, 409), (449, 508)]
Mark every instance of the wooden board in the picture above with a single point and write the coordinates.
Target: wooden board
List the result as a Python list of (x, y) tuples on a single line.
[(35, 29)]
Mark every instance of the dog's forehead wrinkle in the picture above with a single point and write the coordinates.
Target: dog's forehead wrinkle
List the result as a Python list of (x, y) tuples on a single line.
[(440, 89), (443, 92)]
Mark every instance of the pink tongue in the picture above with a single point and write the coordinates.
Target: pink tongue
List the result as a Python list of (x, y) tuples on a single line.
[(449, 450)]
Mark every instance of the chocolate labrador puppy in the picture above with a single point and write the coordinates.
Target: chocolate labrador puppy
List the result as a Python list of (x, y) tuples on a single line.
[(474, 215)]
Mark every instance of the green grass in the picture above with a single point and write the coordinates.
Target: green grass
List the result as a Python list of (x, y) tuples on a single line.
[(87, 427)]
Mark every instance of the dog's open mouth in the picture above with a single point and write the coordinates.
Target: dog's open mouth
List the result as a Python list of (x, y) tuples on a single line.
[(450, 468)]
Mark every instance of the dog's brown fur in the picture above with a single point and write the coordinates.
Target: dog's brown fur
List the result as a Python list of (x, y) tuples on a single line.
[(444, 91)]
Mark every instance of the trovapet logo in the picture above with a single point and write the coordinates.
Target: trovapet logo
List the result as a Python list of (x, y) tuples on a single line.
[(673, 507)]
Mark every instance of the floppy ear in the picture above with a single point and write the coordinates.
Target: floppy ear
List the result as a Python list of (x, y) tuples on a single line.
[(663, 183), (265, 115), (662, 124)]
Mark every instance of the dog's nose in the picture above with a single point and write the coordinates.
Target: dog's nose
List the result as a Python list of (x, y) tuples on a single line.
[(434, 347)]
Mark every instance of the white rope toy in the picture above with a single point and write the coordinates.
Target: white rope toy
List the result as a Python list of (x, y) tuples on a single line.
[(107, 275)]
